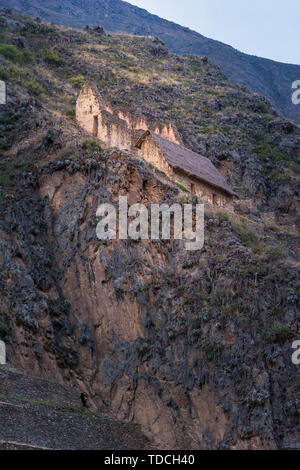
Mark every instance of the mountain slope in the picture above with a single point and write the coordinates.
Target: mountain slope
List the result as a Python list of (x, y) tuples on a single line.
[(39, 414), (195, 347), (269, 78)]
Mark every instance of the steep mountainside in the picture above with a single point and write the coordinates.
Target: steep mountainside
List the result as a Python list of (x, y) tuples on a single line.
[(193, 346), (269, 78), (39, 414)]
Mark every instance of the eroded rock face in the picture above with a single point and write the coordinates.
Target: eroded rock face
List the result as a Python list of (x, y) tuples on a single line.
[(183, 343)]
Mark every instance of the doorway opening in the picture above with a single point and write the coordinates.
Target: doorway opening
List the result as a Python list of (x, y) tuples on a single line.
[(95, 126), (215, 200)]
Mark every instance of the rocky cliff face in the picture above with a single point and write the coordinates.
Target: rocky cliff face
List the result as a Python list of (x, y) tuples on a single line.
[(266, 77), (194, 347)]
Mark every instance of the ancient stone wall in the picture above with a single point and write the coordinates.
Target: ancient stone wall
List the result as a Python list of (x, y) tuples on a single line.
[(115, 129), (133, 123), (96, 118), (87, 108), (150, 152), (208, 194), (166, 130)]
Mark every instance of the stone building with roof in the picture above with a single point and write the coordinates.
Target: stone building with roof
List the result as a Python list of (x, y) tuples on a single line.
[(158, 143), (196, 173)]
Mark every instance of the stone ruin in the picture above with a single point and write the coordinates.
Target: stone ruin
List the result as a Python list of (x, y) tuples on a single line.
[(115, 128), (158, 143)]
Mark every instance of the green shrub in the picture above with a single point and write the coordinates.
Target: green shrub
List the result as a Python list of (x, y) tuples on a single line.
[(26, 57), (295, 166), (38, 29), (4, 75), (3, 144), (51, 58), (67, 154), (142, 348), (277, 175), (77, 82), (247, 237), (13, 73), (49, 138), (256, 249), (278, 333), (92, 145), (5, 180), (33, 87), (238, 187), (11, 52), (275, 252), (4, 329), (293, 388), (181, 186), (212, 349), (222, 215), (265, 148), (70, 112)]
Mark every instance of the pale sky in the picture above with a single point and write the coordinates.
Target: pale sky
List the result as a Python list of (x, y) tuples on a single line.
[(266, 28)]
